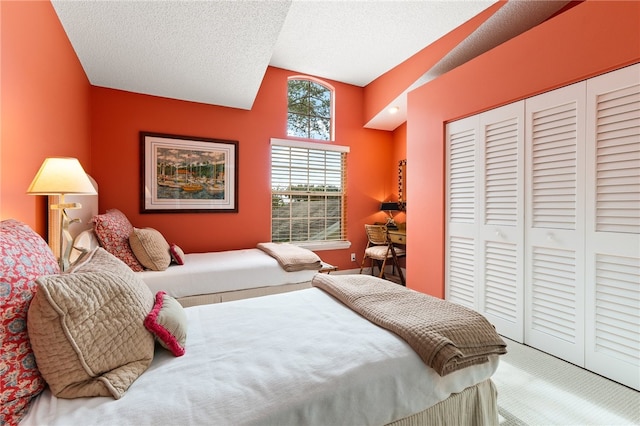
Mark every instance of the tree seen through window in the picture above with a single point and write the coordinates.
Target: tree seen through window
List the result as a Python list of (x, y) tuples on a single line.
[(309, 111)]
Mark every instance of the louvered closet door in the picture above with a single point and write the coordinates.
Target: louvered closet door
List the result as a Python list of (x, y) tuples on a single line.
[(461, 213), (501, 229), (484, 237), (554, 266), (613, 226)]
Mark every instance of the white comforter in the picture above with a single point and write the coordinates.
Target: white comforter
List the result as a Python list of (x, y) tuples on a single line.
[(215, 272), (286, 359)]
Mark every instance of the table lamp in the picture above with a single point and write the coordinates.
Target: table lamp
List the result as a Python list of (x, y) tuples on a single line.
[(390, 207), (60, 176)]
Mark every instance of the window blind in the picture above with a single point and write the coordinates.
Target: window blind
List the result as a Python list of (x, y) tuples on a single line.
[(308, 192)]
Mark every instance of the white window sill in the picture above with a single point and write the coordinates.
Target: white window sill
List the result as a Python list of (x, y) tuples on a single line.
[(325, 245)]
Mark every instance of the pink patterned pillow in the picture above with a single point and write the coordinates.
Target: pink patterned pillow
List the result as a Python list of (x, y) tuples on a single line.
[(113, 230), (24, 256)]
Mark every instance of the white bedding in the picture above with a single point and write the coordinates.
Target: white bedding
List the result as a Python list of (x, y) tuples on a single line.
[(215, 272), (286, 359)]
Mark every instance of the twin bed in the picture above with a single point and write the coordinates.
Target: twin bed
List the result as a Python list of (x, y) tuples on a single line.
[(224, 276), (298, 358), (215, 277), (202, 278), (352, 349)]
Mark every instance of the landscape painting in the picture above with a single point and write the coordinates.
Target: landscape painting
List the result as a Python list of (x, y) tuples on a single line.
[(183, 174)]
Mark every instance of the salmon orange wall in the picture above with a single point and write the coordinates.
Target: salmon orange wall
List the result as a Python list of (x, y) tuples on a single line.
[(117, 117), (44, 105), (589, 39)]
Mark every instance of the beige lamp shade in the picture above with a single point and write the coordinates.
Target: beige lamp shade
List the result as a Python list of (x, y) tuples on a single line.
[(61, 175)]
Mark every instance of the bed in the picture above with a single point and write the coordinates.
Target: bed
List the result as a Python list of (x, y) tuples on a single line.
[(198, 278), (226, 275), (323, 355)]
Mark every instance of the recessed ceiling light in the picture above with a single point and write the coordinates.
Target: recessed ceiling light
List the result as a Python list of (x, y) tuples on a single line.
[(393, 110)]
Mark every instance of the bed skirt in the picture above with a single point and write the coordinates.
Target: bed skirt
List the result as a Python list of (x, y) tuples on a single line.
[(476, 405), (227, 296)]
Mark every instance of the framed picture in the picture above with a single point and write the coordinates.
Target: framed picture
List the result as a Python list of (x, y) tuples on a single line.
[(185, 174)]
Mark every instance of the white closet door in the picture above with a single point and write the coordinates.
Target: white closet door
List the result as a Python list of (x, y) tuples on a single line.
[(554, 266), (462, 186), (501, 228), (484, 243), (613, 226)]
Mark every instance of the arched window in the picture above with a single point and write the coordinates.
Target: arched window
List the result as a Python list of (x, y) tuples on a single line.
[(310, 111)]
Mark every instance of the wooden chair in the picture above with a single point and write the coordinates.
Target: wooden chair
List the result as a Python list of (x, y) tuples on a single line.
[(380, 250)]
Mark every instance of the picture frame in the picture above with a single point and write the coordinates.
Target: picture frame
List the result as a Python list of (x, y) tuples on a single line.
[(187, 174)]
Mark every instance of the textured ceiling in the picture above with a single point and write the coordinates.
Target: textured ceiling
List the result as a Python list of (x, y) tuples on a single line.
[(213, 52), (512, 19), (217, 51), (357, 41)]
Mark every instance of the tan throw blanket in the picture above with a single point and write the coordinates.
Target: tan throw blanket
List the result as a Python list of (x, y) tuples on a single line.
[(291, 257), (448, 337)]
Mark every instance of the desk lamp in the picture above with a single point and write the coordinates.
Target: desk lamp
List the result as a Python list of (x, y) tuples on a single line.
[(389, 207), (60, 176)]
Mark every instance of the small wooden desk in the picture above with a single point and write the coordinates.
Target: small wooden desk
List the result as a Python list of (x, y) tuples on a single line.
[(398, 236)]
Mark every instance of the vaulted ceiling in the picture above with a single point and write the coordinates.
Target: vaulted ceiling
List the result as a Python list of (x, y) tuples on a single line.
[(217, 51)]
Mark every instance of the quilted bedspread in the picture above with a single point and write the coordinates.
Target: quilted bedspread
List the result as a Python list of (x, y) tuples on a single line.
[(448, 337)]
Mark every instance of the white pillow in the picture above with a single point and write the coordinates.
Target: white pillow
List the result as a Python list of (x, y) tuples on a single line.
[(83, 243)]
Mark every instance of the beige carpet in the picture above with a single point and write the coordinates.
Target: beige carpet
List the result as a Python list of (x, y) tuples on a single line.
[(538, 389)]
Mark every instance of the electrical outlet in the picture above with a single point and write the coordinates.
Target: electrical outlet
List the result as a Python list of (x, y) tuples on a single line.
[(353, 257)]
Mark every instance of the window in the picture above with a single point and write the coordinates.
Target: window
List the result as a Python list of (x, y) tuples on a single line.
[(308, 193), (310, 110)]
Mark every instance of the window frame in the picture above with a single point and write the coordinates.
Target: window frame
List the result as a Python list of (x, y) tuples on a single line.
[(309, 244)]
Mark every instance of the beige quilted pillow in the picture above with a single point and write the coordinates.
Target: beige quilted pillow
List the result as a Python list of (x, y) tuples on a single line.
[(87, 328), (150, 248)]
